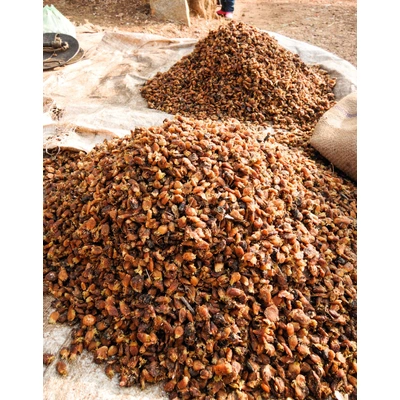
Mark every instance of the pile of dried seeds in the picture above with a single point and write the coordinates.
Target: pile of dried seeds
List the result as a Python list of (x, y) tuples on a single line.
[(242, 72), (200, 254)]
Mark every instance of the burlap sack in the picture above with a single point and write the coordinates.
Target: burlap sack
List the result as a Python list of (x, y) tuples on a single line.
[(335, 135)]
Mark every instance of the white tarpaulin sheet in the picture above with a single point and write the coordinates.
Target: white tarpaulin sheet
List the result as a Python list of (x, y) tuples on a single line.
[(101, 91), (100, 98)]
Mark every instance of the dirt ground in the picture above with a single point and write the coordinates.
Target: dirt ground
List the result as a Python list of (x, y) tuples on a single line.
[(328, 24)]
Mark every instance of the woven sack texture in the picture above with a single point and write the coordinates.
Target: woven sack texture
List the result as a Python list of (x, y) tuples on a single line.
[(335, 135)]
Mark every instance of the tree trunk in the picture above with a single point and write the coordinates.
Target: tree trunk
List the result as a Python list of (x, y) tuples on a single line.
[(203, 8)]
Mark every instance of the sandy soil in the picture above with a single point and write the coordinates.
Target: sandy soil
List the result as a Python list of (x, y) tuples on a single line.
[(329, 24)]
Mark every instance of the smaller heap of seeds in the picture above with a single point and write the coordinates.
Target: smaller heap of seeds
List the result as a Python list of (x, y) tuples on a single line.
[(242, 72)]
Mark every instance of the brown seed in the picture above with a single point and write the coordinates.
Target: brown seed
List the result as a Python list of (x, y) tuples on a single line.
[(63, 275), (182, 384), (218, 267), (203, 312), (272, 313), (147, 203), (71, 314), (109, 371), (89, 320), (189, 256), (162, 230), (90, 223), (62, 368), (101, 353), (290, 329), (300, 387), (235, 277), (303, 350), (292, 341), (234, 292), (64, 353), (342, 220), (294, 369), (170, 385), (178, 332), (54, 316), (352, 379), (112, 351), (222, 368), (48, 358), (299, 316), (194, 280), (101, 326), (51, 276), (198, 365)]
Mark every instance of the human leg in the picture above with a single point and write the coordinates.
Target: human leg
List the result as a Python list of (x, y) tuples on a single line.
[(228, 5)]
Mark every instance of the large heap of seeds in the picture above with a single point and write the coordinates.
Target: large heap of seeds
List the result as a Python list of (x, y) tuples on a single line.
[(199, 254), (242, 72)]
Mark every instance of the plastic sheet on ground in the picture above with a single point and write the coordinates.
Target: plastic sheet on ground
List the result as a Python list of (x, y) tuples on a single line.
[(102, 91)]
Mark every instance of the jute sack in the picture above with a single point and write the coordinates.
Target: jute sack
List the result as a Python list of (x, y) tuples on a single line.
[(335, 135)]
